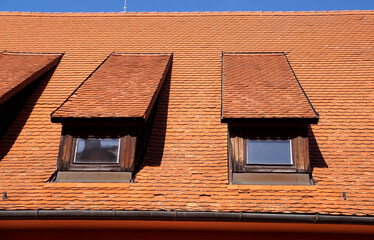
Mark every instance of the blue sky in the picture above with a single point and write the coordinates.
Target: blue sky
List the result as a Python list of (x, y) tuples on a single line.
[(182, 6)]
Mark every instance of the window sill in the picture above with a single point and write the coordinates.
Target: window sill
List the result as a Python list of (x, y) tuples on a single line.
[(93, 177), (86, 185), (272, 179), (272, 187)]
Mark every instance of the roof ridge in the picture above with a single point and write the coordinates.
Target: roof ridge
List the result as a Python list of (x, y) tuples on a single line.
[(207, 13), (30, 53)]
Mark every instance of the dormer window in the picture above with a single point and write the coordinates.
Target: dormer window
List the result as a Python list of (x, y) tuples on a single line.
[(97, 151), (107, 121), (268, 115), (269, 152)]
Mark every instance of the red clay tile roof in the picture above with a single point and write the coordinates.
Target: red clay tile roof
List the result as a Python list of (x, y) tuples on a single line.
[(185, 166), (17, 70), (261, 86), (124, 86)]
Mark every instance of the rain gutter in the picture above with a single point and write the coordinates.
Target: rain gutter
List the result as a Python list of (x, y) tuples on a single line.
[(183, 216)]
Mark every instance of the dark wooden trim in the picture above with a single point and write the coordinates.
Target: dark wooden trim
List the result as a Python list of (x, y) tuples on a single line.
[(221, 85), (244, 124), (303, 154), (229, 155), (98, 120), (144, 53), (131, 145), (103, 124), (271, 120), (65, 151), (247, 53)]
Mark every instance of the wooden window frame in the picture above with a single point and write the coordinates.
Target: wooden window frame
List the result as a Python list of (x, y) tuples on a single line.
[(70, 134), (75, 146), (113, 167), (239, 134), (269, 167)]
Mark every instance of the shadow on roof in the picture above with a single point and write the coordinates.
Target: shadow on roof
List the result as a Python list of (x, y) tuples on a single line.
[(30, 96), (155, 148), (316, 157)]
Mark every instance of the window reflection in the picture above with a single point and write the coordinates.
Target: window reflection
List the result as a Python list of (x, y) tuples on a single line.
[(273, 152), (97, 150)]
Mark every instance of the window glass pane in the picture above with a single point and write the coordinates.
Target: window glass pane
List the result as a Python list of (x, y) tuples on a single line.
[(273, 152), (97, 150)]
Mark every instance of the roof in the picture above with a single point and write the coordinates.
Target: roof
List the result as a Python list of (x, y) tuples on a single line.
[(185, 166), (261, 85), (123, 86), (18, 70)]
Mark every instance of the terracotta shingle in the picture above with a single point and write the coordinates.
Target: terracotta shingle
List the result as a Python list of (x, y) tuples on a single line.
[(259, 85), (185, 164), (124, 86), (17, 70)]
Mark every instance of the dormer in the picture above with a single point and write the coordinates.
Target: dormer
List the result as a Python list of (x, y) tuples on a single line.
[(20, 74), (268, 114), (107, 120)]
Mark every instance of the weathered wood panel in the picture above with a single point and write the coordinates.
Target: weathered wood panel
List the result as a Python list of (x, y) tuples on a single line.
[(128, 136), (129, 147), (65, 152), (297, 134)]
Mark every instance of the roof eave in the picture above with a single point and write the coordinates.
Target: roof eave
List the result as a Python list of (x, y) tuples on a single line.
[(98, 120), (271, 120)]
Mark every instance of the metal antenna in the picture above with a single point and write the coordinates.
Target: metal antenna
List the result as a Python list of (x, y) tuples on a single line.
[(125, 7)]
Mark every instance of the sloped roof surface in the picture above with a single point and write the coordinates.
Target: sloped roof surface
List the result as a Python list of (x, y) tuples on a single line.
[(17, 70), (261, 86), (123, 86), (185, 166)]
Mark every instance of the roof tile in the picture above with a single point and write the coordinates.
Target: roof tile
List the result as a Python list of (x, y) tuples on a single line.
[(261, 85), (331, 53), (17, 70), (123, 86)]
